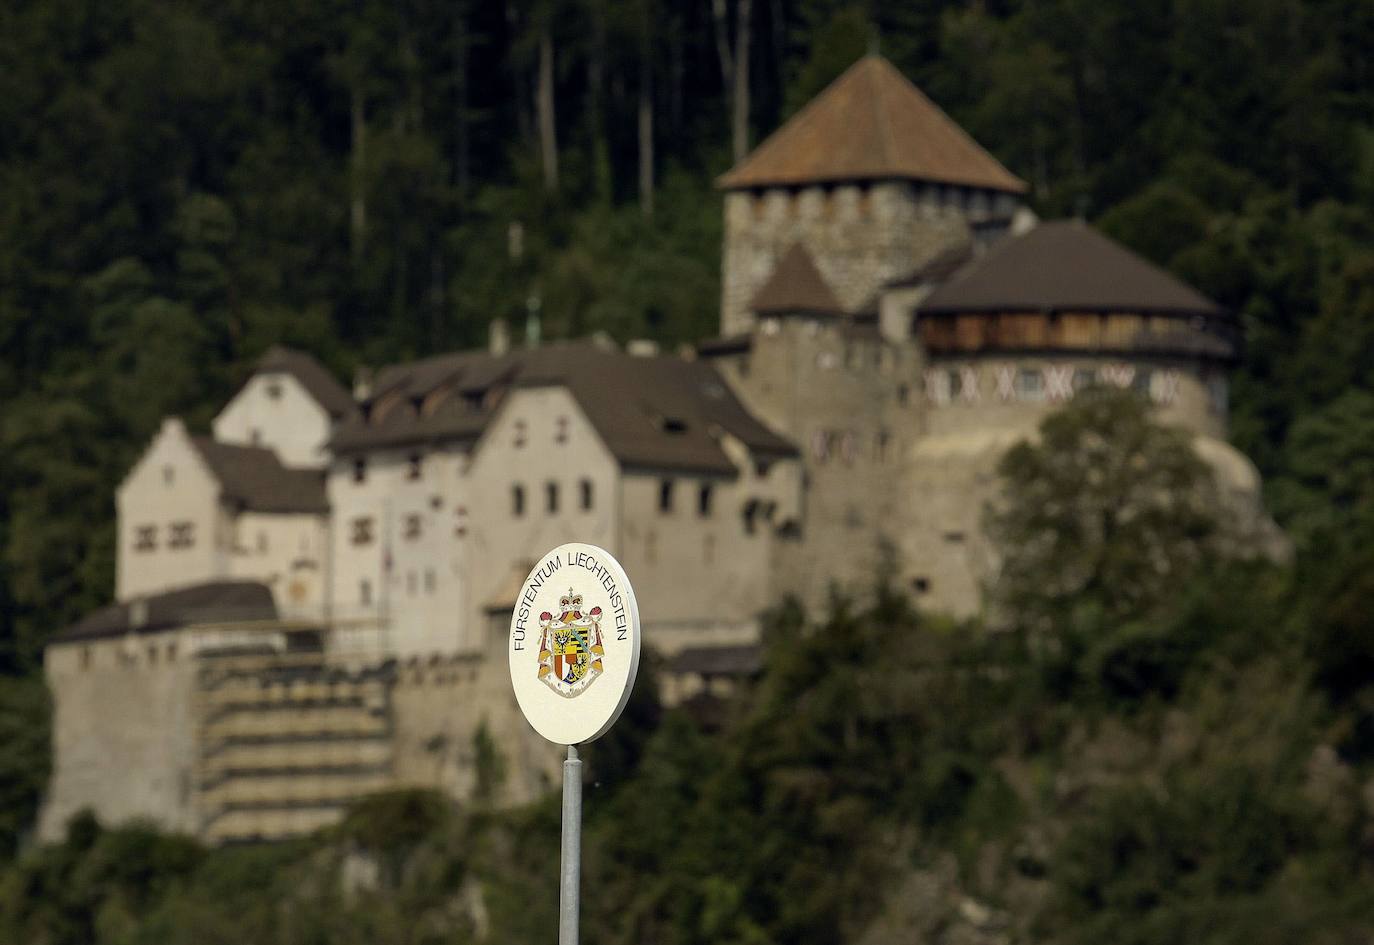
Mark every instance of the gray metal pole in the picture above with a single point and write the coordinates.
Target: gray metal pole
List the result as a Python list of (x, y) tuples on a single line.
[(571, 875)]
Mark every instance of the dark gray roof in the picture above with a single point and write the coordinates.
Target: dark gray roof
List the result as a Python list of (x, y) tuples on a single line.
[(653, 412), (796, 286), (253, 477), (212, 602), (1064, 265), (313, 376)]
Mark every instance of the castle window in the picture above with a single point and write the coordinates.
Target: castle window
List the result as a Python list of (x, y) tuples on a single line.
[(585, 487), (749, 513), (1030, 385), (274, 390), (560, 434), (145, 538), (920, 584), (880, 446), (171, 652), (519, 434), (362, 530), (665, 496), (704, 496), (460, 516), (412, 526), (517, 500), (414, 466), (954, 538), (169, 475), (903, 394), (551, 496), (360, 470), (365, 592), (956, 383), (152, 654)]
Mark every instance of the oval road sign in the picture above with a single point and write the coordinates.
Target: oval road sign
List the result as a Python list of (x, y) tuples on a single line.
[(574, 643)]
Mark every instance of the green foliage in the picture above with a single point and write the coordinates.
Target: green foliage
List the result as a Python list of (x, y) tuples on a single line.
[(1103, 517)]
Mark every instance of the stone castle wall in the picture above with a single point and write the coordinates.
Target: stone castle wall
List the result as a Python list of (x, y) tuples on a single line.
[(860, 235)]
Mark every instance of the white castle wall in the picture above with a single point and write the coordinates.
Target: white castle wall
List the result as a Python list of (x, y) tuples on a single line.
[(275, 410)]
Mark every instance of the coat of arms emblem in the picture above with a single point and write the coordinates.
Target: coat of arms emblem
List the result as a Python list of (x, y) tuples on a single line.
[(570, 646)]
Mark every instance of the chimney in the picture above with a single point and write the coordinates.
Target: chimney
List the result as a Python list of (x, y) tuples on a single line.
[(362, 382), (498, 336)]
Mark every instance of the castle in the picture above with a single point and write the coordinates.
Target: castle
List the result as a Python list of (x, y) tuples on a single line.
[(310, 599)]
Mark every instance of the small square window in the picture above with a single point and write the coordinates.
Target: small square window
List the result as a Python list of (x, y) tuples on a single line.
[(362, 531), (181, 535), (145, 538)]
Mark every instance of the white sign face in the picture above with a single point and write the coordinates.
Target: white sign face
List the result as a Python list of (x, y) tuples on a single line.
[(574, 643)]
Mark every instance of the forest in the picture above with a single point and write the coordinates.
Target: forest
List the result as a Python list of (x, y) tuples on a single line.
[(184, 184)]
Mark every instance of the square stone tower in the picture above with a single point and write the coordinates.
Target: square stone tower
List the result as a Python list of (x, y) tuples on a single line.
[(872, 178)]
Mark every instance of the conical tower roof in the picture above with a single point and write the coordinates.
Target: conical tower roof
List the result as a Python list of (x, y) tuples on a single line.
[(796, 286), (870, 124)]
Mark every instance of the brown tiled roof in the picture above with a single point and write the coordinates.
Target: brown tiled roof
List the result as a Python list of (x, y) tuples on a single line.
[(870, 124), (254, 478), (1064, 265), (215, 601), (313, 376), (796, 286), (653, 412)]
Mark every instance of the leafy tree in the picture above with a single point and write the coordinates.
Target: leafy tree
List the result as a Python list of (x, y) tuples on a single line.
[(1108, 513)]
